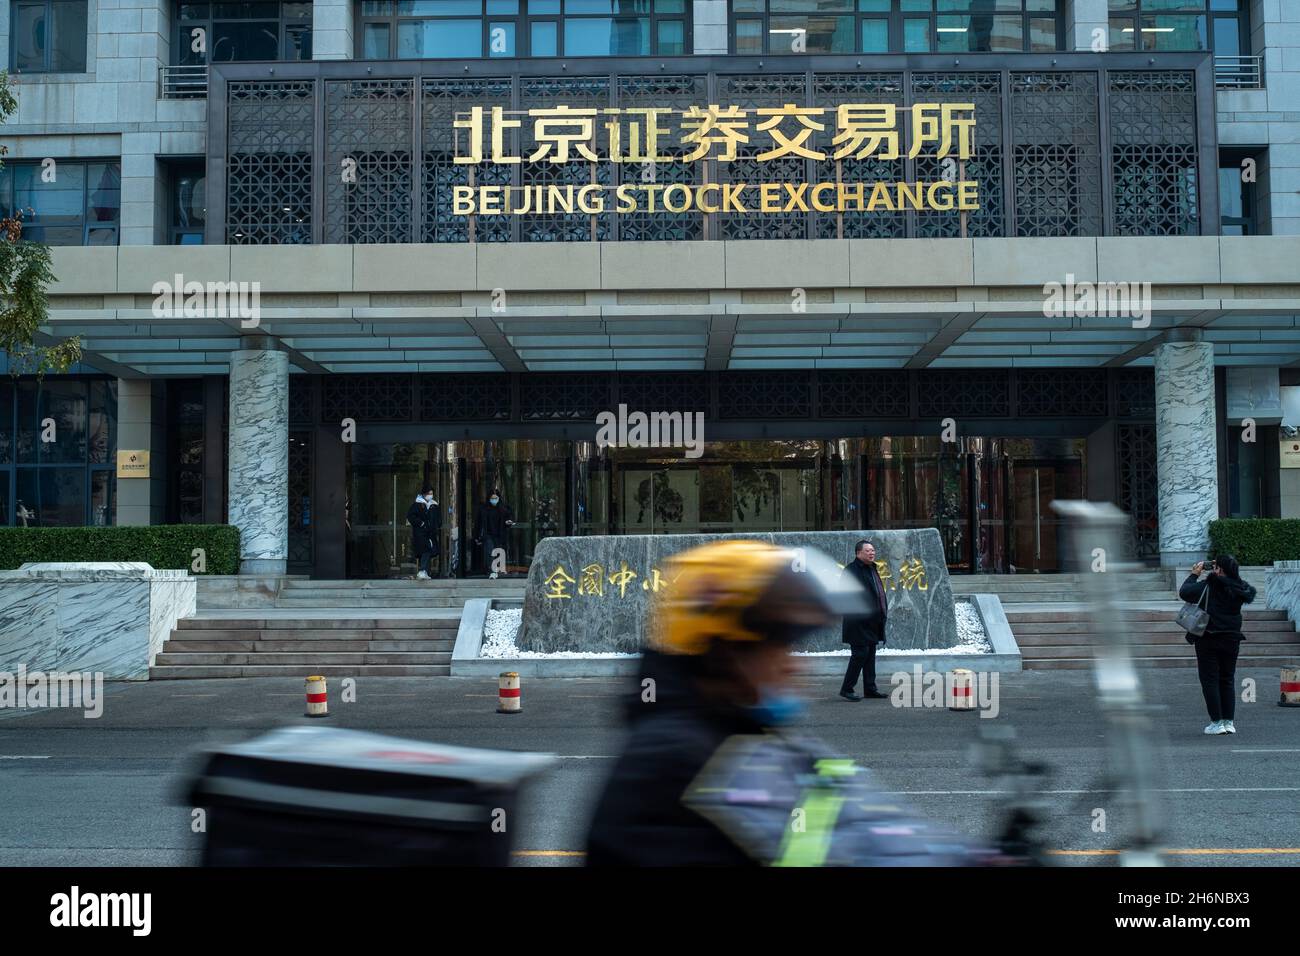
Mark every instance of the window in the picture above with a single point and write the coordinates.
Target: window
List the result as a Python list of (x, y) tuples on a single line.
[(187, 186), (1170, 25), (451, 29), (247, 30), (64, 204), (894, 26), (1238, 215), (58, 439), (47, 36)]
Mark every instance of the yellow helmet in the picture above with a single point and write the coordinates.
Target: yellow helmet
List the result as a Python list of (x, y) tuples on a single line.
[(748, 591)]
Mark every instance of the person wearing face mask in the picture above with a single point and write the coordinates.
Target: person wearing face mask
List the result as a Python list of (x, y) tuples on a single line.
[(491, 522), (710, 773), (425, 519)]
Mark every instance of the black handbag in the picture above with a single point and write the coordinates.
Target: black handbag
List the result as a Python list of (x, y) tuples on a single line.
[(1193, 618)]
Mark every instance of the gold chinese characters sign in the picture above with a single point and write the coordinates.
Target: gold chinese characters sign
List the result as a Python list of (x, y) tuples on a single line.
[(595, 580), (719, 134)]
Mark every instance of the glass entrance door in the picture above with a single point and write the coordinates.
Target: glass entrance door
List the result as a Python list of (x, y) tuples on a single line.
[(735, 487), (383, 482), (1036, 542), (532, 477)]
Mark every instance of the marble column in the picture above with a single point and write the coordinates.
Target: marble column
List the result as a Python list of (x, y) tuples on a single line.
[(1187, 461), (258, 485)]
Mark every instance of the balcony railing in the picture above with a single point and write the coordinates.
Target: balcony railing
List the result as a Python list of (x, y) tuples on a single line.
[(183, 82), (1238, 72)]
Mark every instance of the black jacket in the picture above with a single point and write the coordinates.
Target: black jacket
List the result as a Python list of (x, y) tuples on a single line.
[(1223, 603), (868, 628), (490, 521), (640, 819), (426, 525)]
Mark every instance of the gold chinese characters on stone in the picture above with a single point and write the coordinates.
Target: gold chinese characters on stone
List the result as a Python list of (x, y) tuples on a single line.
[(594, 580)]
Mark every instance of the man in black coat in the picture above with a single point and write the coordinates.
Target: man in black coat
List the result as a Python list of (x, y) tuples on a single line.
[(862, 634), (491, 521)]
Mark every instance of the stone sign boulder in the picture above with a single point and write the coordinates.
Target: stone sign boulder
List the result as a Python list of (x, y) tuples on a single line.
[(593, 594)]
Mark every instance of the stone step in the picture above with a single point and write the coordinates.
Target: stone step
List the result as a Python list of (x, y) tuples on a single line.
[(307, 661), (303, 583), (1141, 650), (308, 634), (325, 624), (306, 645), (1084, 626), (1275, 639), (1080, 663), (334, 600), (213, 671), (1130, 615)]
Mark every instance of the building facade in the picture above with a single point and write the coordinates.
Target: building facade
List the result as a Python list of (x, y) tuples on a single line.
[(910, 262)]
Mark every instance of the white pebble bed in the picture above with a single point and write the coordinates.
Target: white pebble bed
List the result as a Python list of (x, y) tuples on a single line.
[(502, 626), (500, 629), (971, 638)]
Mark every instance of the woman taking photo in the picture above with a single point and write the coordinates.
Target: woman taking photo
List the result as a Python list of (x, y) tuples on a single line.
[(1221, 594)]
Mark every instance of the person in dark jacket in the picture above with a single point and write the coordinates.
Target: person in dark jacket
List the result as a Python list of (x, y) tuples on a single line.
[(425, 519), (491, 521), (1221, 594), (718, 665), (862, 634)]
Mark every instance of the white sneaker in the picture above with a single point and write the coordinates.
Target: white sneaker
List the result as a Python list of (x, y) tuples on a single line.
[(1216, 728), (492, 575), (1228, 727), (422, 576)]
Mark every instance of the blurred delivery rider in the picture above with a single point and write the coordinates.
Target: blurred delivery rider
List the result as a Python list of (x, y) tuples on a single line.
[(718, 665)]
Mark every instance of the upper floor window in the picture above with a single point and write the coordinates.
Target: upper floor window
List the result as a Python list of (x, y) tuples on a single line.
[(64, 204), (1152, 25), (894, 26), (245, 30), (448, 29), (47, 36)]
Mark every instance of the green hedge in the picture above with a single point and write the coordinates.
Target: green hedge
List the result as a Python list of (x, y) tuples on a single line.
[(1255, 541), (163, 546)]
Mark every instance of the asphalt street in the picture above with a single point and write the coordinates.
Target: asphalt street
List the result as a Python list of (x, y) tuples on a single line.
[(108, 791)]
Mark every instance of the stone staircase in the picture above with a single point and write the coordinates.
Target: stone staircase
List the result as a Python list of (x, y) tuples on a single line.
[(1064, 638), (394, 628), (1050, 619)]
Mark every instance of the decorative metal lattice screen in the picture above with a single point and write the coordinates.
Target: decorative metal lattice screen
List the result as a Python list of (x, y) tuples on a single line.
[(833, 90), (1056, 154), (673, 95), (1154, 153), (366, 398), (1138, 486), (368, 173), (269, 148), (1037, 153), (985, 166), (300, 476), (575, 92), (444, 102), (465, 398)]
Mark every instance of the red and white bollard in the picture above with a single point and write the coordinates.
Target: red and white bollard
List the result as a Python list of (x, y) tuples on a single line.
[(508, 696), (317, 698), (1290, 687), (961, 689)]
